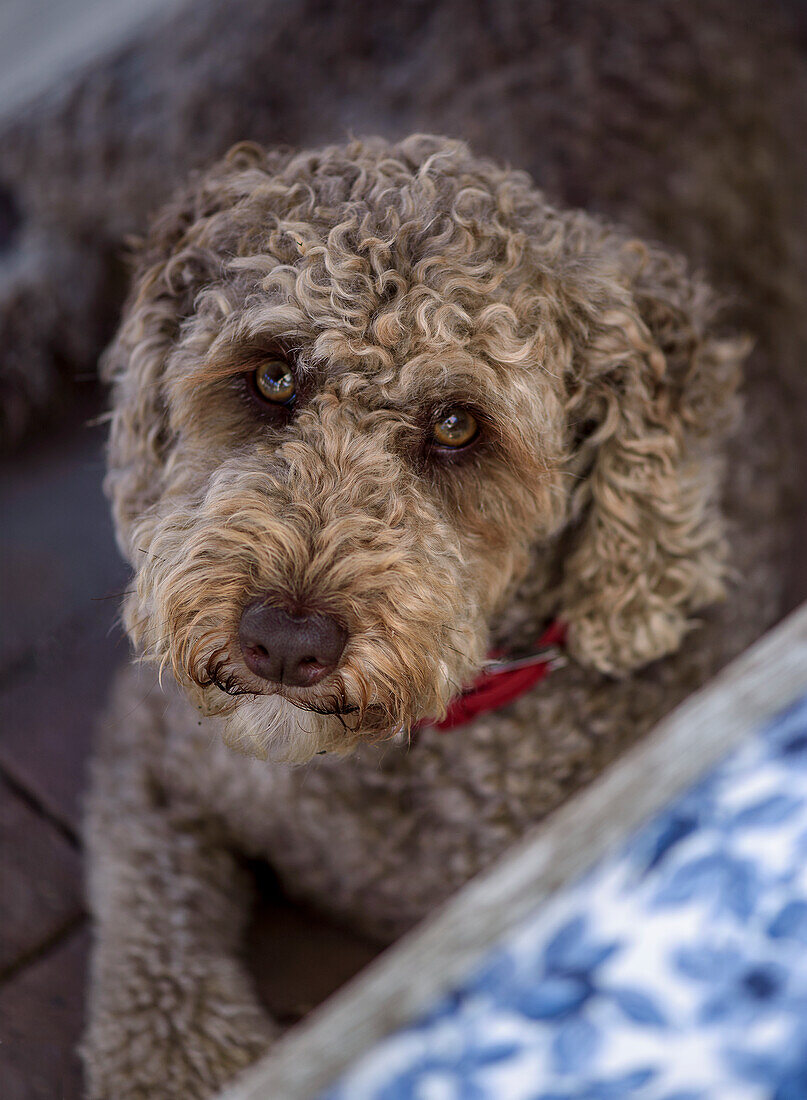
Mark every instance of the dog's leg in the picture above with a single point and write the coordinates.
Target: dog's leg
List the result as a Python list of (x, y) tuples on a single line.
[(172, 1011)]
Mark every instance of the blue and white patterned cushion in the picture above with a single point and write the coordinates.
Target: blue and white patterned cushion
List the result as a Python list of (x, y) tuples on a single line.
[(676, 970)]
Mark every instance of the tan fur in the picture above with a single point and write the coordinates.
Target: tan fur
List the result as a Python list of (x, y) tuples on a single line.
[(409, 278), (405, 278)]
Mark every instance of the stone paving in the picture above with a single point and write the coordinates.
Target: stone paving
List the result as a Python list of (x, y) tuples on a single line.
[(60, 582)]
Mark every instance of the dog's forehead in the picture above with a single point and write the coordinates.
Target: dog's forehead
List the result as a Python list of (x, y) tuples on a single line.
[(407, 384), (384, 310), (416, 348), (356, 224), (396, 279), (393, 185)]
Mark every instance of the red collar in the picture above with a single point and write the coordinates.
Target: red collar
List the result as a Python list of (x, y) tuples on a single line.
[(504, 679)]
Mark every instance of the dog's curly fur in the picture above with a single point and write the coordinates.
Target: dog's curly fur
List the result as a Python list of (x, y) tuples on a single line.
[(617, 483), (407, 280), (402, 280)]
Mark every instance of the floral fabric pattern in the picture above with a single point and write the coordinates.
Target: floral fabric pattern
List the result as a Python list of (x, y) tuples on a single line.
[(675, 970)]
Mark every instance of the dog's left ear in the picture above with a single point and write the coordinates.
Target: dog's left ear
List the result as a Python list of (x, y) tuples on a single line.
[(652, 395)]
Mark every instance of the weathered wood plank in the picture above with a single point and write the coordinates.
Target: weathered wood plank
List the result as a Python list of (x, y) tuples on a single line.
[(58, 556), (442, 950), (41, 1017), (40, 880), (60, 582), (49, 712)]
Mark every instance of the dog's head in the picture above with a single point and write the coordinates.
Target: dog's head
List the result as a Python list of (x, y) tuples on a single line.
[(362, 394)]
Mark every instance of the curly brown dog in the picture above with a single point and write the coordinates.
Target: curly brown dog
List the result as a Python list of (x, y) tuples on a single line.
[(380, 410)]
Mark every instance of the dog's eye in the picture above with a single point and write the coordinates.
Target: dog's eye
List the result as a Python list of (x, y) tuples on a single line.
[(274, 382), (456, 428)]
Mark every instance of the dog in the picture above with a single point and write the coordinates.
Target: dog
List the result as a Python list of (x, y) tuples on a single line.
[(387, 424)]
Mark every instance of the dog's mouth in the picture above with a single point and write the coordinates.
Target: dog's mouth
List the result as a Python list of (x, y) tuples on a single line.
[(292, 724), (327, 699), (230, 683), (325, 707), (379, 689)]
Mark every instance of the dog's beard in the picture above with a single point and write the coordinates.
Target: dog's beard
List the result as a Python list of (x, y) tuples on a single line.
[(382, 689), (412, 644), (341, 714), (272, 728)]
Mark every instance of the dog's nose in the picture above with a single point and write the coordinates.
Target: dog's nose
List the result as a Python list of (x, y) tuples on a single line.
[(297, 650)]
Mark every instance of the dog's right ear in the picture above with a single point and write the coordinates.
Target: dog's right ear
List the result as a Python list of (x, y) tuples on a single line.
[(170, 268), (654, 385)]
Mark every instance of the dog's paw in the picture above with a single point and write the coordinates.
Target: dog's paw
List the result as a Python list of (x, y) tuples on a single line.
[(173, 1036)]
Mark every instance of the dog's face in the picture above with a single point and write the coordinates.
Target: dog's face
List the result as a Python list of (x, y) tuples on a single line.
[(359, 394)]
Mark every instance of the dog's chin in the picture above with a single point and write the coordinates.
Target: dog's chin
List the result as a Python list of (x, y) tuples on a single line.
[(272, 728), (291, 725)]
